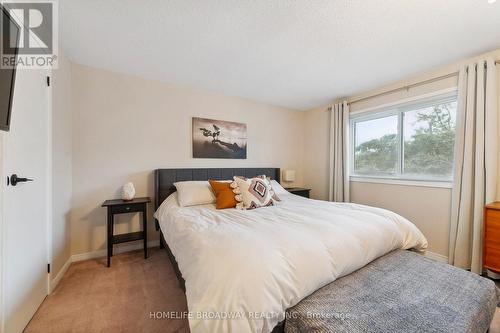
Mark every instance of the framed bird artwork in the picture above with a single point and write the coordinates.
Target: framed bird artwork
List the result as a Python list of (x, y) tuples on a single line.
[(219, 139)]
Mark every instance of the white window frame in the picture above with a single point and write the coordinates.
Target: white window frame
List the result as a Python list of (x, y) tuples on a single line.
[(398, 109)]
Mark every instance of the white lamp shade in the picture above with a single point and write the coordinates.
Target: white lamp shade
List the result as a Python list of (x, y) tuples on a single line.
[(289, 175)]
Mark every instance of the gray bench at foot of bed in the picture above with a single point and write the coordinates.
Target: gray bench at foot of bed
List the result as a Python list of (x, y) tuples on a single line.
[(399, 292)]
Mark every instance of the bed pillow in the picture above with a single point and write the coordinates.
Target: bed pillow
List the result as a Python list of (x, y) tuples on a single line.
[(252, 193), (278, 189), (224, 195), (191, 193)]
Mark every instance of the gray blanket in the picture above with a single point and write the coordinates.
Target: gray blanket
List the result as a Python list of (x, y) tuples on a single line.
[(399, 292)]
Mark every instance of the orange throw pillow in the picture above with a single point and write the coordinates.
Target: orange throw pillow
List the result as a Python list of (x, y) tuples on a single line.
[(224, 194)]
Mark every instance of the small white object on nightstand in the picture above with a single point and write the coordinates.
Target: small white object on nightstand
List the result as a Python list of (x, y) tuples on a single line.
[(128, 192)]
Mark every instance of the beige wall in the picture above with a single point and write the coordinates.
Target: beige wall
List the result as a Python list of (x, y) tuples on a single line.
[(61, 163), (316, 152), (428, 208), (124, 127)]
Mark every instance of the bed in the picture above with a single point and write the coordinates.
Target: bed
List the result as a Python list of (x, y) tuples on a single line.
[(164, 180), (242, 270)]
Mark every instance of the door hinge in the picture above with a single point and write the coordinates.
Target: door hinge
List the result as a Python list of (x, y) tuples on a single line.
[(48, 268), (48, 81)]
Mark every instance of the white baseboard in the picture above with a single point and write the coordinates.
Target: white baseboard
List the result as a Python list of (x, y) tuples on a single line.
[(55, 281), (116, 250), (436, 256)]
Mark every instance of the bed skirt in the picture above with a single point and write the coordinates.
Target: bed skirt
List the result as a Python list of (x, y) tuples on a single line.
[(400, 292)]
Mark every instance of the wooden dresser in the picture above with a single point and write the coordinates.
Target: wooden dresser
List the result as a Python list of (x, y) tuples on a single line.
[(491, 252)]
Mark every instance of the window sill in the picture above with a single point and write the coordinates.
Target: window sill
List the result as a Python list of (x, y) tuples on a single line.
[(403, 182)]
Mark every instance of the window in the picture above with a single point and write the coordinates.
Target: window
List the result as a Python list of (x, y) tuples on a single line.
[(408, 142)]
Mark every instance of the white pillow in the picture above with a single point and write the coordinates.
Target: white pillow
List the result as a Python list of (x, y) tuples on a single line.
[(278, 189), (191, 193)]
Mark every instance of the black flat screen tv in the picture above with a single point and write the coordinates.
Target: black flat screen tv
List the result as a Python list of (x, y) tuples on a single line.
[(10, 40)]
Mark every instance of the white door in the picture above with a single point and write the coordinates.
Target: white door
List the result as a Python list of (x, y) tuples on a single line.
[(25, 205)]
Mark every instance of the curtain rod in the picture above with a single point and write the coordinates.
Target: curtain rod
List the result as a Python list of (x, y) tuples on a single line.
[(408, 87)]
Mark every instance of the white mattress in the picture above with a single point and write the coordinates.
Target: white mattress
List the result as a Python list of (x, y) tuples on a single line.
[(255, 264)]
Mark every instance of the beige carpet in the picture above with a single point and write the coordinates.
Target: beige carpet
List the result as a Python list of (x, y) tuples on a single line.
[(93, 298)]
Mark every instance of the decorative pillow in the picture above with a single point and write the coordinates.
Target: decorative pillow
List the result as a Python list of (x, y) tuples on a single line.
[(224, 194), (269, 181), (191, 193), (252, 193)]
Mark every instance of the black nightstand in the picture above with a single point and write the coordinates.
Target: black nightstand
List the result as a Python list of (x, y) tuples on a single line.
[(303, 192), (122, 207)]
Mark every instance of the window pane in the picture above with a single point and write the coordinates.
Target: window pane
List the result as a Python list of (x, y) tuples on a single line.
[(376, 146), (429, 136)]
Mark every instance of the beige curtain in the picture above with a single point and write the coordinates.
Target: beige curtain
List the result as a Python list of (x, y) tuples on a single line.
[(339, 166), (475, 177)]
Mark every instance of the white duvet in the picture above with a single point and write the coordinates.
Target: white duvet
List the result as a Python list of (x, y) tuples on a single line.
[(243, 269)]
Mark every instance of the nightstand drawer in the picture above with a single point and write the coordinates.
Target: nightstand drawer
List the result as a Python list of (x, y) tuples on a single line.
[(491, 258), (492, 229), (491, 240), (493, 216), (132, 208)]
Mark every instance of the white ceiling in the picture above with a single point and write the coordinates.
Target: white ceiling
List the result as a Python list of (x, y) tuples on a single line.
[(293, 53)]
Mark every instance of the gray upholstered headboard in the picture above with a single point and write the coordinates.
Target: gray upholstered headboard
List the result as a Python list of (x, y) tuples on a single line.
[(165, 178)]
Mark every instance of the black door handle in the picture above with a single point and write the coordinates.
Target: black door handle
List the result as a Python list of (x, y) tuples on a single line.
[(14, 179)]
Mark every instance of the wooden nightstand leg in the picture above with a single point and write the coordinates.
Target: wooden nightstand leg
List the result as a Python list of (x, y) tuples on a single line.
[(145, 230), (112, 232), (110, 236)]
